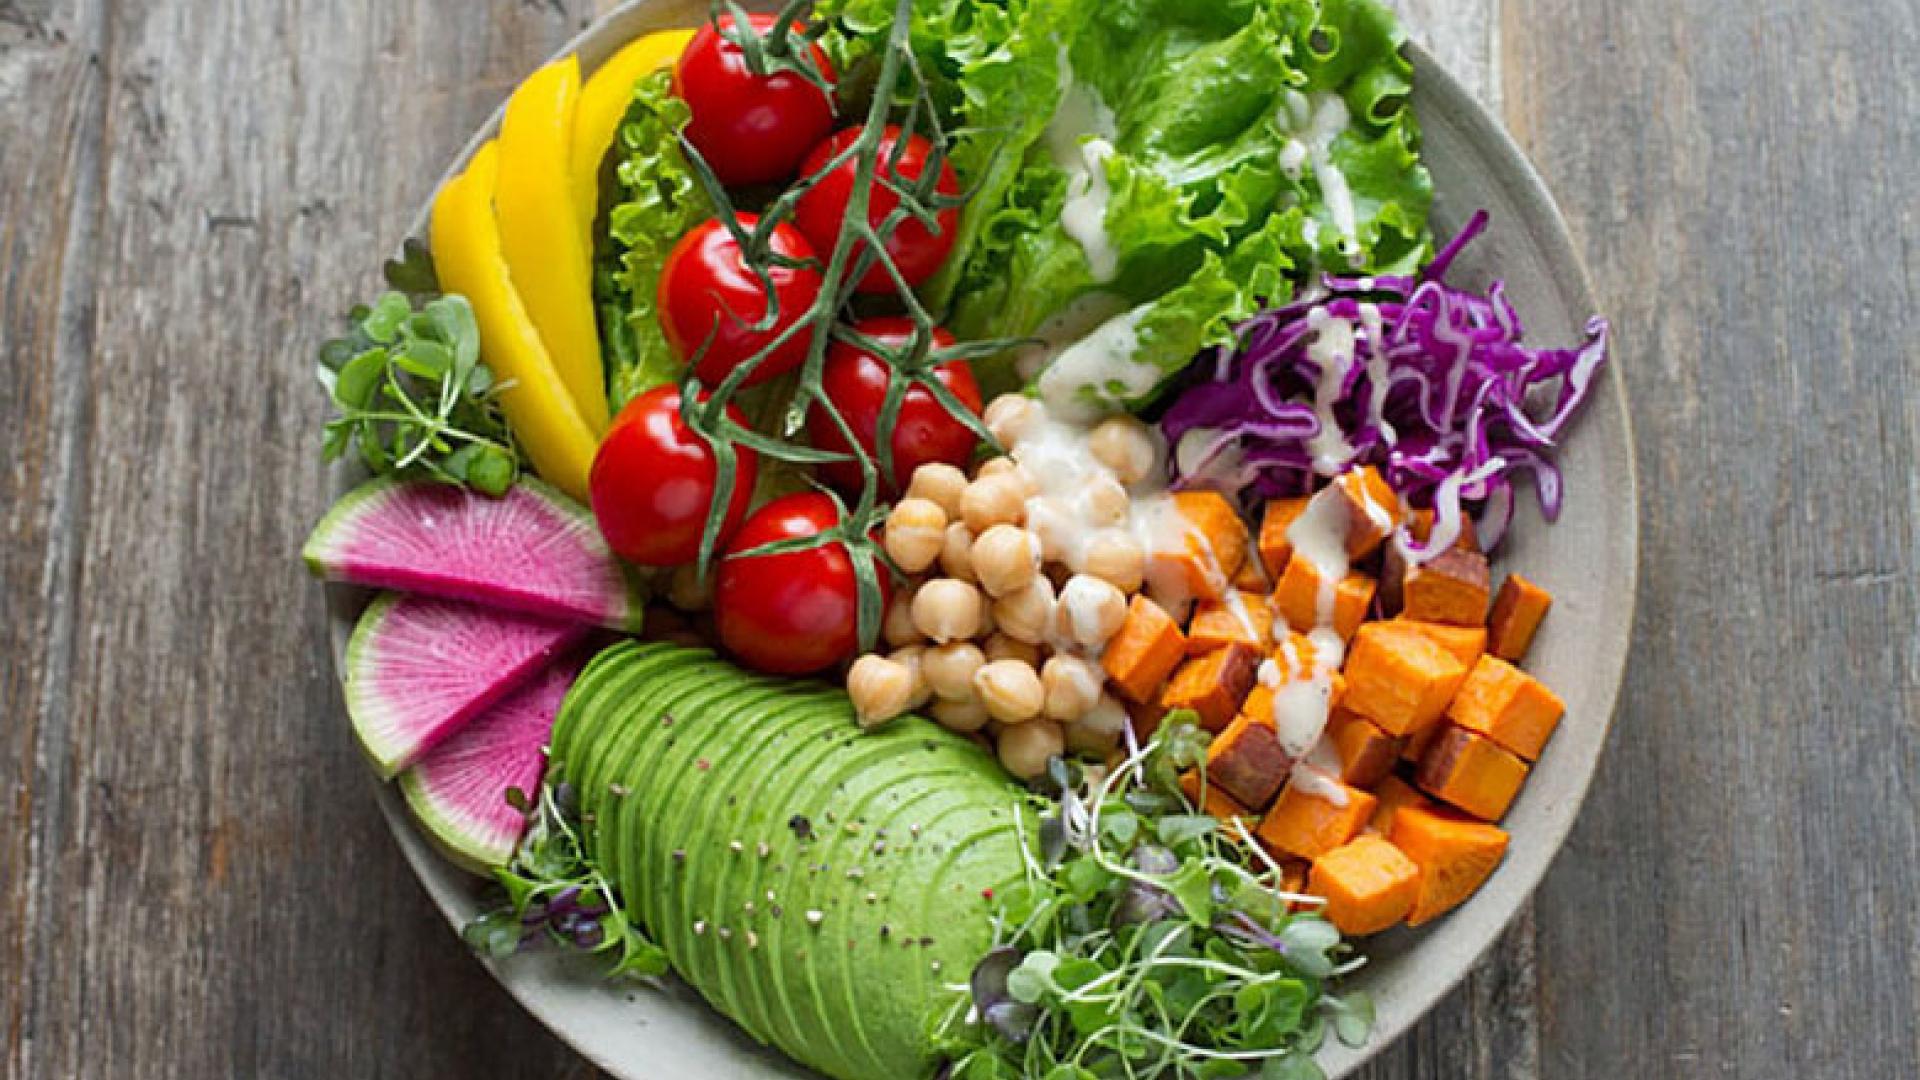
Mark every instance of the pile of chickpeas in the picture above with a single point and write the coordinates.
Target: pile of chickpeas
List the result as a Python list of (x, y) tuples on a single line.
[(995, 633)]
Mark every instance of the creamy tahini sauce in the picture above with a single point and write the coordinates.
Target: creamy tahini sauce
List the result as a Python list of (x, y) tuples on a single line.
[(1095, 376), (1080, 140), (1301, 705), (1332, 352), (1316, 122)]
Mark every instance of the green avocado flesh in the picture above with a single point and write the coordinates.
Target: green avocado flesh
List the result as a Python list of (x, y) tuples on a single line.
[(824, 887)]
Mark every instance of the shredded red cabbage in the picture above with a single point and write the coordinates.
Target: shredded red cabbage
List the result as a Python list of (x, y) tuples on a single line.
[(1433, 390)]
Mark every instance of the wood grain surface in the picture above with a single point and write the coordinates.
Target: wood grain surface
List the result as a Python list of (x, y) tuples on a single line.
[(195, 883)]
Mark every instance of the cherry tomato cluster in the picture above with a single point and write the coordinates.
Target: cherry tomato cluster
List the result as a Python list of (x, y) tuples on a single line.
[(655, 479)]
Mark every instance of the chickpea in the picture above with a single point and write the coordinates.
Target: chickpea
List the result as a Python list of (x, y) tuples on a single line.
[(1126, 446), (1114, 557), (1053, 527), (996, 500), (1025, 749), (687, 592), (897, 626), (1100, 729), (1090, 611), (949, 669), (1002, 647), (1026, 614), (947, 610), (961, 716), (1005, 559), (881, 689), (956, 557), (916, 532), (1107, 502), (1010, 417), (939, 483), (1073, 687), (912, 658), (999, 466), (987, 626), (1010, 689)]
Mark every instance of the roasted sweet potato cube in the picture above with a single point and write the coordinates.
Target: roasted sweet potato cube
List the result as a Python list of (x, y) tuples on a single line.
[(1508, 706), (1368, 884), (1419, 525), (1253, 577), (1144, 652), (1210, 551), (1247, 761), (1275, 548), (1455, 854), (1394, 794), (1373, 510), (1244, 618), (1293, 876), (1297, 598), (1399, 679), (1471, 772), (1517, 611), (1213, 801), (1451, 588), (1466, 643), (1418, 742), (1213, 684), (1305, 824), (1366, 753)]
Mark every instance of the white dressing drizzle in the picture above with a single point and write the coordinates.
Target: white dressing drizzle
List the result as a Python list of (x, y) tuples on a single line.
[(1097, 374), (1301, 704), (1080, 140), (1378, 370), (1318, 121), (1331, 351)]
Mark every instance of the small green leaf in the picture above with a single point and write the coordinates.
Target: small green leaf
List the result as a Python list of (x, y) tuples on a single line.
[(354, 387), (1192, 886), (383, 322), (426, 359), (1177, 829), (1292, 1065)]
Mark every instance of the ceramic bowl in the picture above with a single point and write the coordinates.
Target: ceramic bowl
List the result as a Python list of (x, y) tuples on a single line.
[(1586, 559)]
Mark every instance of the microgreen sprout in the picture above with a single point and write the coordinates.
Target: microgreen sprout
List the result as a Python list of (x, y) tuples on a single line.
[(1147, 941)]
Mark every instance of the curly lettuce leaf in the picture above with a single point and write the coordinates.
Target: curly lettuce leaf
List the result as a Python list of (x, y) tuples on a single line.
[(661, 201), (1219, 181)]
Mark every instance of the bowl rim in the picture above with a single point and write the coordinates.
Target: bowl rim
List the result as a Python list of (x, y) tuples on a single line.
[(1436, 87)]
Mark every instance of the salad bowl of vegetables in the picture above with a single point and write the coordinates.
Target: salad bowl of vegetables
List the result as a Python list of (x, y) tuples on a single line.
[(979, 538)]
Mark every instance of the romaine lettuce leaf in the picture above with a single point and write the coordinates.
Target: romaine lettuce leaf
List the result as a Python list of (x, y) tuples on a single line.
[(1252, 141), (660, 201)]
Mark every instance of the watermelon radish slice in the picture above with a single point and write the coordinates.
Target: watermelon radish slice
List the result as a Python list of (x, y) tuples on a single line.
[(532, 550), (458, 792), (418, 669)]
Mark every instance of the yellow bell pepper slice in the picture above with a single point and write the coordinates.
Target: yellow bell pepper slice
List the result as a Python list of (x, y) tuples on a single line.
[(468, 257), (548, 255), (603, 104)]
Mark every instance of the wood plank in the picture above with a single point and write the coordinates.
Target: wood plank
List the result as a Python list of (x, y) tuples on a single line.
[(1737, 897)]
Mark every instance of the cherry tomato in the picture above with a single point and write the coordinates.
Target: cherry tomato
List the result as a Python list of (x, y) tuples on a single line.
[(794, 613), (856, 382), (707, 290), (653, 482), (752, 129), (916, 250)]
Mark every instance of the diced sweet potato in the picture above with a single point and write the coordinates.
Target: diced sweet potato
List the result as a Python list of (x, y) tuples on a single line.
[(1307, 825), (1213, 684), (1246, 619), (1508, 706), (1517, 611), (1297, 598), (1253, 577), (1373, 510), (1420, 526), (1394, 794), (1418, 742), (1141, 656), (1215, 802), (1471, 772), (1451, 588), (1293, 875), (1466, 643), (1400, 679), (1369, 885), (1247, 761), (1275, 548), (1213, 549), (1366, 753), (1455, 854)]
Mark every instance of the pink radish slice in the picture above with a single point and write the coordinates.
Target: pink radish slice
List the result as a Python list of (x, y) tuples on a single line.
[(458, 792), (532, 550), (419, 669)]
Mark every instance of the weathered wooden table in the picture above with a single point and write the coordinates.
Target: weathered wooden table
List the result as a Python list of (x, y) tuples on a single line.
[(195, 883)]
